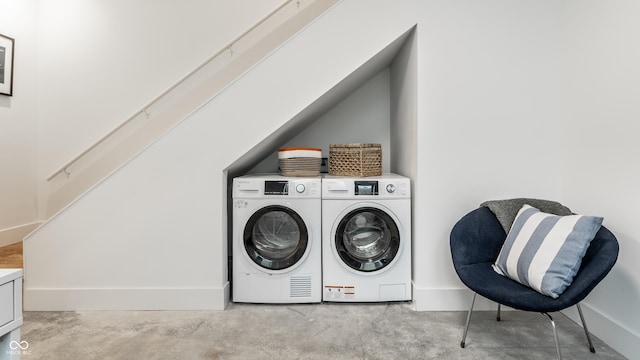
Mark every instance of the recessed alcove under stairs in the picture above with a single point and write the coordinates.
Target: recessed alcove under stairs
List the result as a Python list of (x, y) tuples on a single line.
[(372, 105)]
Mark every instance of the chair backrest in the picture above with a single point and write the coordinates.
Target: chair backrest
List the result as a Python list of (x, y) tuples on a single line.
[(599, 259), (477, 238)]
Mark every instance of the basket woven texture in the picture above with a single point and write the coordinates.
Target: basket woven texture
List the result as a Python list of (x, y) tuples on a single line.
[(355, 159), (302, 166), (300, 161)]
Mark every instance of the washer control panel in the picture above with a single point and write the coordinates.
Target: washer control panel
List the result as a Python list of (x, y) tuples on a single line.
[(391, 188), (372, 187), (365, 187)]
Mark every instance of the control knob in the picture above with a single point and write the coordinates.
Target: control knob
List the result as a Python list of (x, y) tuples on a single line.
[(300, 188), (391, 188)]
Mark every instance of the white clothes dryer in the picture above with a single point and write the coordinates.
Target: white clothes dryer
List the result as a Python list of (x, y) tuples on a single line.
[(366, 238), (276, 239)]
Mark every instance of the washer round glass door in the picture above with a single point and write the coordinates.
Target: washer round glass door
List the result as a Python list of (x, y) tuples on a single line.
[(275, 237), (367, 239)]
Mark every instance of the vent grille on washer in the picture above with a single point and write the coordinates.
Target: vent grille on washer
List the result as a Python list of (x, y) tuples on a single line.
[(300, 286)]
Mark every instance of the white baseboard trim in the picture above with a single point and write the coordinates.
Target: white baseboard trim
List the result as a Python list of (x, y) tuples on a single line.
[(42, 299), (17, 233), (612, 333)]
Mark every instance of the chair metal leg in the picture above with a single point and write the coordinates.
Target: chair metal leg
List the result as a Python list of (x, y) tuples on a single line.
[(466, 328), (555, 334), (586, 330), (498, 316)]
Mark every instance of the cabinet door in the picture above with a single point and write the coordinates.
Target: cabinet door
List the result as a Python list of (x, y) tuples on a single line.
[(6, 303)]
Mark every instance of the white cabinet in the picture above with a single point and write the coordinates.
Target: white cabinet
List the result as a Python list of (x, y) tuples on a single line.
[(11, 314), (6, 299)]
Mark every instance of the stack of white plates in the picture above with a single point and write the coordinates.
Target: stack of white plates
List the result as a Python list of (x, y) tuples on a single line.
[(299, 161)]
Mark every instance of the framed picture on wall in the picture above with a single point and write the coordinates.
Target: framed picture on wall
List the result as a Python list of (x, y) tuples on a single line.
[(6, 65)]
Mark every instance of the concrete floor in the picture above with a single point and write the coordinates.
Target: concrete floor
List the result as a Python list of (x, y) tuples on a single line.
[(315, 331)]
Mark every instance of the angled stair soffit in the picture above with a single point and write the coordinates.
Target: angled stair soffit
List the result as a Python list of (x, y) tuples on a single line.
[(319, 107)]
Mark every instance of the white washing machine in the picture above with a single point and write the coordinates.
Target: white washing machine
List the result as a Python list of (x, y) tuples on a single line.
[(366, 238), (276, 239)]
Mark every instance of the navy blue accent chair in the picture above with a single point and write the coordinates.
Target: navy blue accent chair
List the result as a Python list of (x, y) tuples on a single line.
[(475, 242)]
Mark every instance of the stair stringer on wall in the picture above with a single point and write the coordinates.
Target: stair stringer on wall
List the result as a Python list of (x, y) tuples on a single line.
[(161, 115), (153, 234)]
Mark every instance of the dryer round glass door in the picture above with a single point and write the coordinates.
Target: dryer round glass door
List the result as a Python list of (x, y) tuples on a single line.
[(367, 239), (275, 237)]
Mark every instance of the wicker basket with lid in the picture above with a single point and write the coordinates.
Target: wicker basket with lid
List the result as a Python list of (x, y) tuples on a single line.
[(355, 159)]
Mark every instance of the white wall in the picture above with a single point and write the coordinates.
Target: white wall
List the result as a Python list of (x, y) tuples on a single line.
[(403, 109), (601, 176), (18, 125), (100, 61), (362, 117), (488, 95)]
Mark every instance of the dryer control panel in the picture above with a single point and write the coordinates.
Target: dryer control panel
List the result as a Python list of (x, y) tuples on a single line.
[(276, 186)]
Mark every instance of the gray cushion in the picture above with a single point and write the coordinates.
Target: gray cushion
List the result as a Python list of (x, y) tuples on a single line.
[(506, 210)]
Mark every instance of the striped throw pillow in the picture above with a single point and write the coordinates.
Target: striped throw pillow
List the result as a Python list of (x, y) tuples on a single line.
[(544, 251)]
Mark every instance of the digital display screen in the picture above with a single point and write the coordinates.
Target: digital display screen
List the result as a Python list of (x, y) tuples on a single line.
[(276, 187), (366, 188)]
